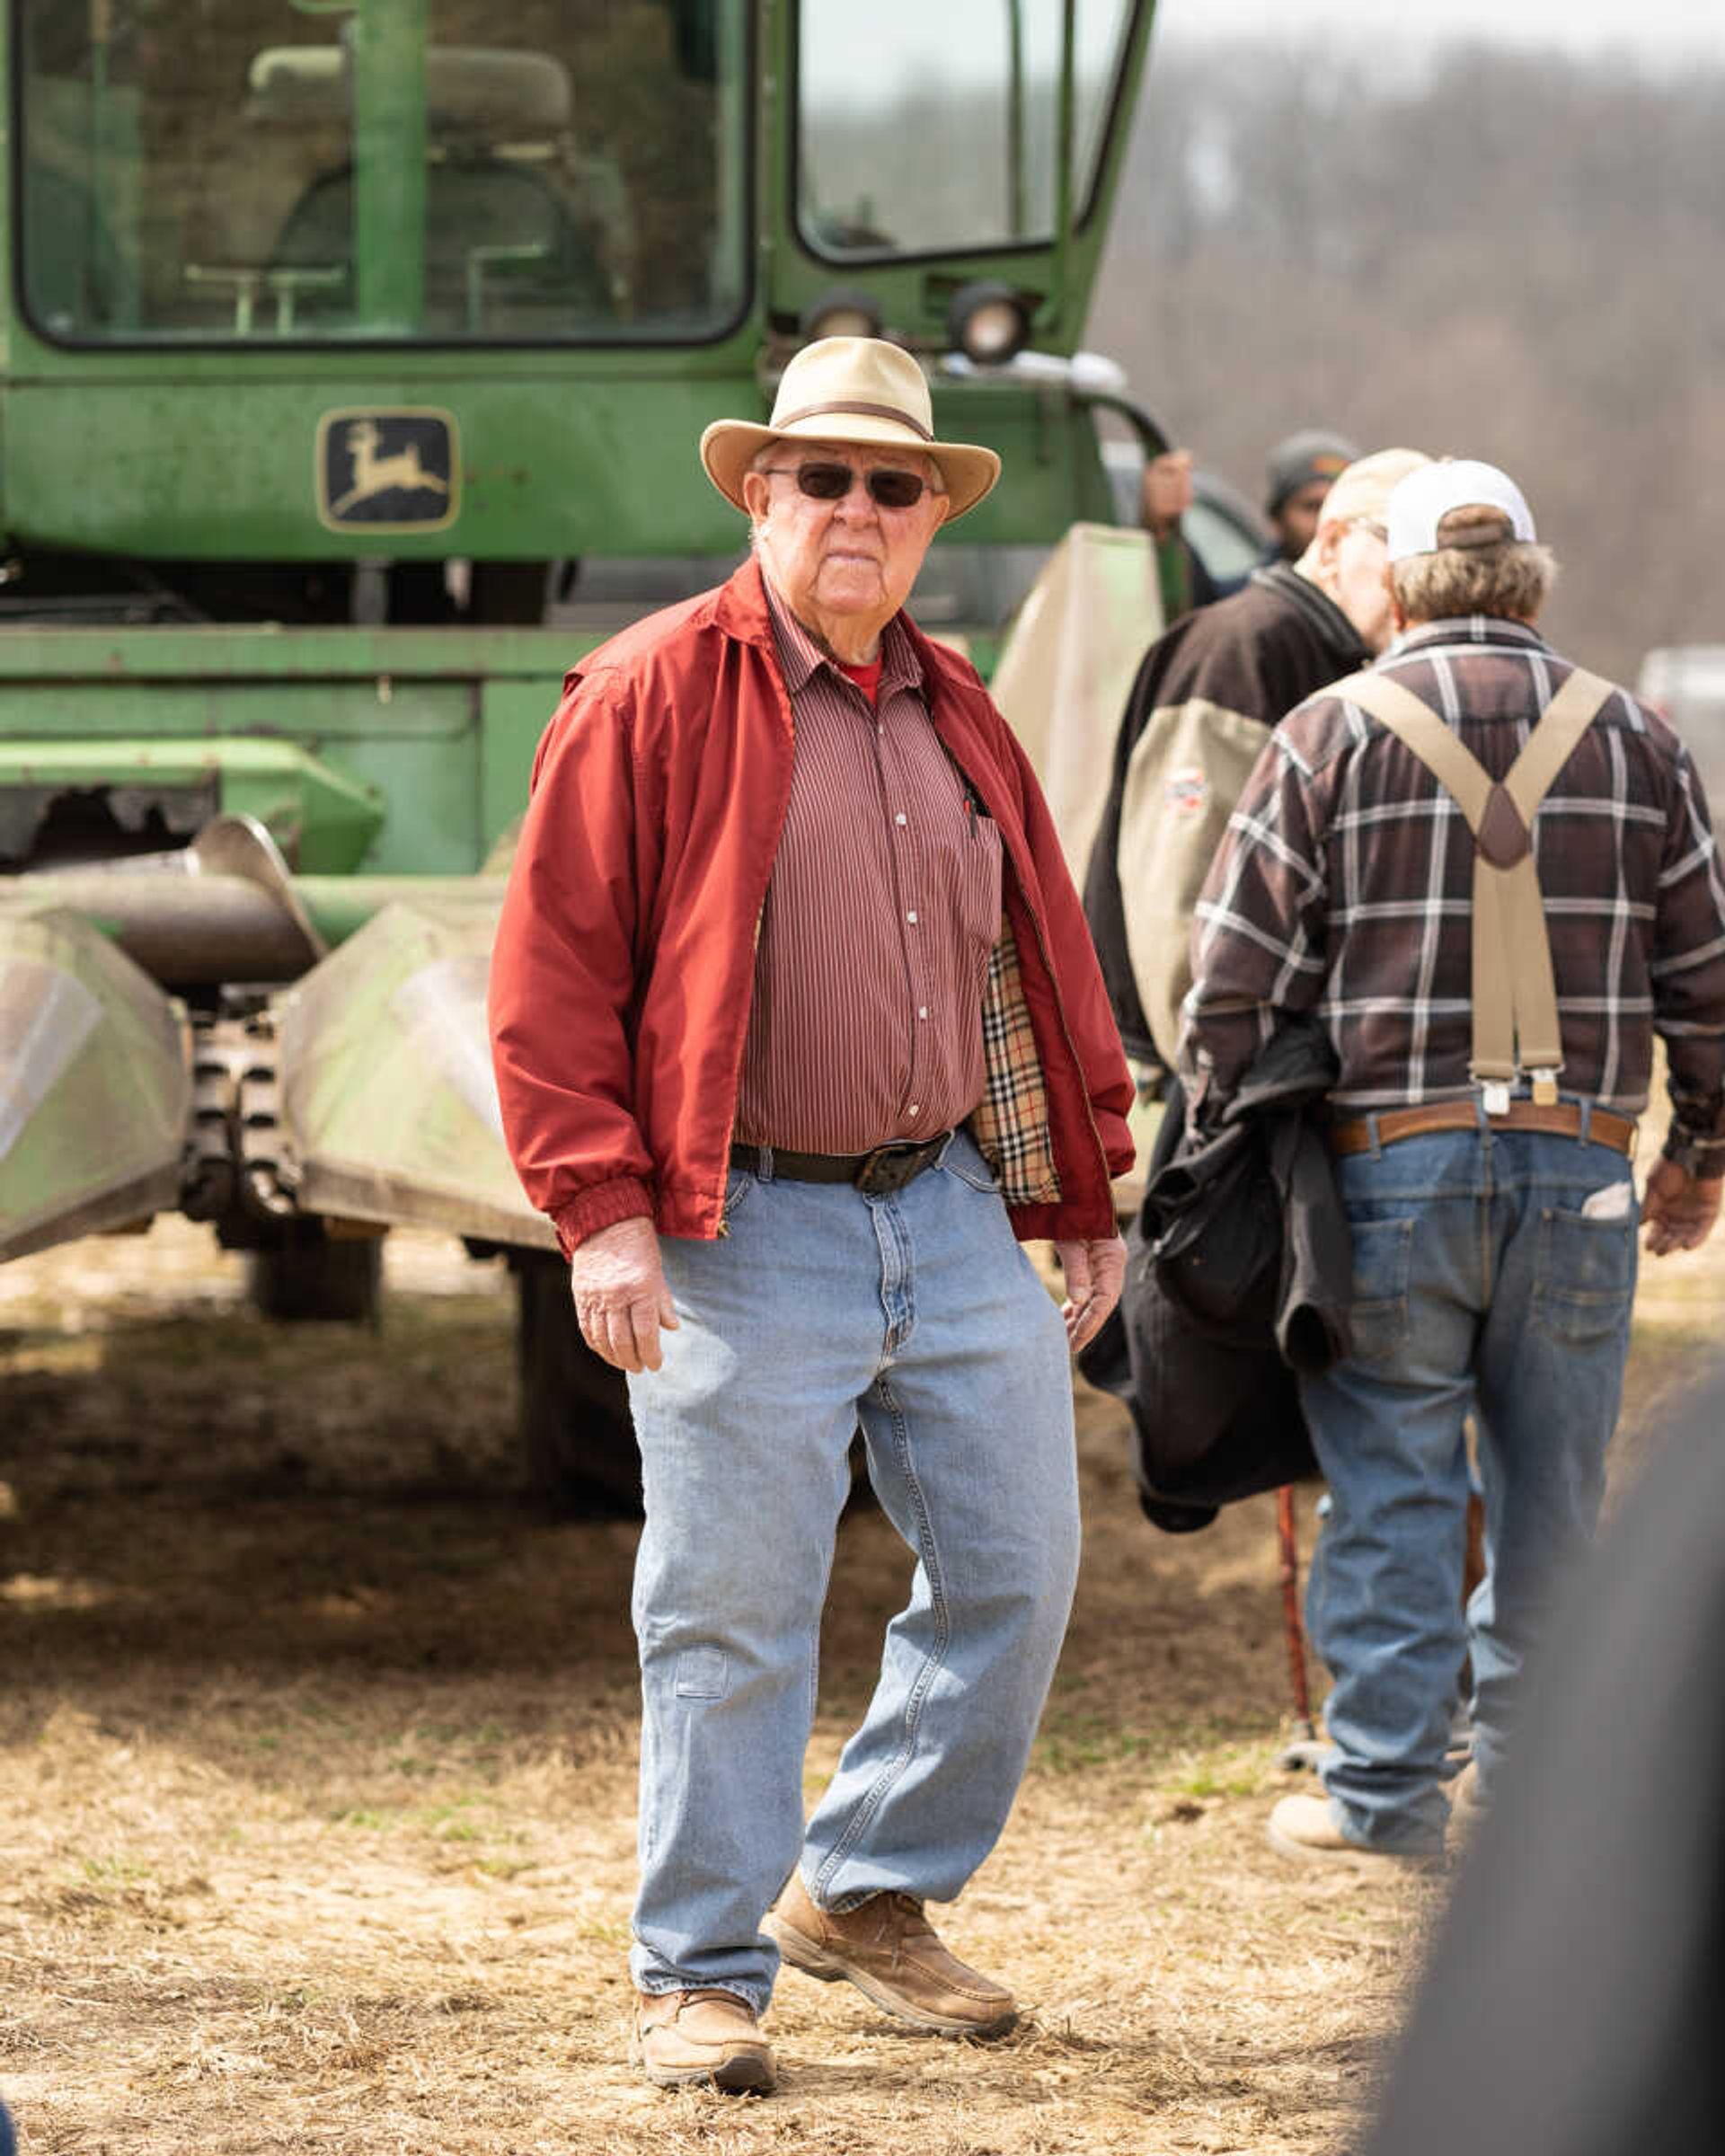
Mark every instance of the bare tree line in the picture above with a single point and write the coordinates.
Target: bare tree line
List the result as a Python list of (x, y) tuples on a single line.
[(1519, 259)]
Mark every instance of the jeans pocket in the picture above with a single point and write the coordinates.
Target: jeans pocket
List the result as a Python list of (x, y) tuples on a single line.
[(971, 1166), (1383, 1261), (1585, 1277), (738, 1183)]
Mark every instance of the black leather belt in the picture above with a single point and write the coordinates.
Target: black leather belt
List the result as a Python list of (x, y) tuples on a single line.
[(886, 1168)]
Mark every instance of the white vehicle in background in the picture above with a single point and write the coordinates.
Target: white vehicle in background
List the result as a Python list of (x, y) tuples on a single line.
[(1223, 528), (1686, 682)]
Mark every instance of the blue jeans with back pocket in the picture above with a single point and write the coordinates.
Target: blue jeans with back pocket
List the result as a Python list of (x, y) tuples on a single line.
[(1493, 1275)]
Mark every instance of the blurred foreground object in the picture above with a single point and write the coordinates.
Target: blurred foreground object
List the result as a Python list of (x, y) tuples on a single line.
[(1570, 2009)]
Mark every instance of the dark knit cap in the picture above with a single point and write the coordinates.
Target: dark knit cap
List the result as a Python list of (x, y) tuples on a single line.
[(1303, 457)]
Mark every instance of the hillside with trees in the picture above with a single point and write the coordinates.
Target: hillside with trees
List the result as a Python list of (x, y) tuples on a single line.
[(1515, 257)]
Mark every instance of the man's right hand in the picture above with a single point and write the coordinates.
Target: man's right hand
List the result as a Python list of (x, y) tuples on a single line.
[(1166, 492), (1678, 1209), (621, 1298)]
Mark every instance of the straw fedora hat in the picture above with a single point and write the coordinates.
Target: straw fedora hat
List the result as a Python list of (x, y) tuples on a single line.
[(850, 389)]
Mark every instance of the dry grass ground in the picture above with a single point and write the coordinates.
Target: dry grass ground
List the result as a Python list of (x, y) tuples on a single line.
[(317, 1776)]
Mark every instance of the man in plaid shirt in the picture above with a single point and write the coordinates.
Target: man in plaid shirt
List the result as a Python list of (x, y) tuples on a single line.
[(1494, 1223)]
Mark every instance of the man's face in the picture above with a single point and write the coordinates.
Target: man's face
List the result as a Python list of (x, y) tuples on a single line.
[(1352, 564), (853, 558), (1296, 521)]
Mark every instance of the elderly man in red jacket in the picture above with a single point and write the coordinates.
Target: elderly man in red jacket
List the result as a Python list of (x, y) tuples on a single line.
[(798, 1033)]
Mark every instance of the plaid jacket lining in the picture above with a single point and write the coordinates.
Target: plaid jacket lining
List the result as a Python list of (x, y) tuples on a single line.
[(1011, 1123)]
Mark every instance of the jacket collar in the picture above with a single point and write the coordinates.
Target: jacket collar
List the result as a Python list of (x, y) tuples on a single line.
[(1467, 628), (740, 608), (801, 657), (1319, 608)]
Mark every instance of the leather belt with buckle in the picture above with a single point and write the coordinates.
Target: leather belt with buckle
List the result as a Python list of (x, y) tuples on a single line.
[(1562, 1119), (875, 1173)]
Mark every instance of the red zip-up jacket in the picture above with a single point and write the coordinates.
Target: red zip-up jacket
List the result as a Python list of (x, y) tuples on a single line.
[(624, 960)]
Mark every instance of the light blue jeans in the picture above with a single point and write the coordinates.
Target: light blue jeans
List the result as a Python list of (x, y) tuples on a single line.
[(1481, 1282), (919, 1316)]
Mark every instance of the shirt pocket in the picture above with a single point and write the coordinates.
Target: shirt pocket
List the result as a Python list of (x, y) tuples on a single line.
[(972, 870)]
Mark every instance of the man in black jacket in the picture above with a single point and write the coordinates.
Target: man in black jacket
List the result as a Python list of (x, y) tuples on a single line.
[(1206, 697)]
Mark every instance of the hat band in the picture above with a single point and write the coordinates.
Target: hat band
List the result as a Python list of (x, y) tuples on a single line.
[(866, 412)]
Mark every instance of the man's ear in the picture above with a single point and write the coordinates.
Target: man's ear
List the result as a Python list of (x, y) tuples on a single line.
[(1328, 542), (756, 494)]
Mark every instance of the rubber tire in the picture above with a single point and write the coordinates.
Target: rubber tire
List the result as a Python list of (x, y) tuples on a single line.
[(577, 1437), (311, 1276)]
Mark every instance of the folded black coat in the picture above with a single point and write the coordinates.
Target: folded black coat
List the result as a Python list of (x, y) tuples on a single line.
[(1239, 1276)]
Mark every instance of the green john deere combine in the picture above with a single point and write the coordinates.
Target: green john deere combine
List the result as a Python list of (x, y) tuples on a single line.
[(344, 344)]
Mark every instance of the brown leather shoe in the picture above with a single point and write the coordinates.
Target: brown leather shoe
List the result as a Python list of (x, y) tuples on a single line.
[(888, 1948), (704, 2035)]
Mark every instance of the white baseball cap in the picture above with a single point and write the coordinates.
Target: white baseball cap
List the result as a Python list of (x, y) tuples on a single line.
[(1419, 503)]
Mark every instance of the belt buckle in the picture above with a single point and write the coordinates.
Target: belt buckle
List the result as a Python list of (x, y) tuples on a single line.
[(889, 1168)]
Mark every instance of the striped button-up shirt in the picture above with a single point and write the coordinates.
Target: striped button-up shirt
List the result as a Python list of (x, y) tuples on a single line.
[(882, 910), (1344, 886)]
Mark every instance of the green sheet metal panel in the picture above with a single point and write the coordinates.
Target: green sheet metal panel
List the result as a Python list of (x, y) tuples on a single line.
[(120, 461), (323, 820), (392, 751), (88, 1043), (388, 1102)]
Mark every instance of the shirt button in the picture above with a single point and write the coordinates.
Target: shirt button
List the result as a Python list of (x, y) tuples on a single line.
[(901, 817), (911, 918), (922, 1010), (915, 1108)]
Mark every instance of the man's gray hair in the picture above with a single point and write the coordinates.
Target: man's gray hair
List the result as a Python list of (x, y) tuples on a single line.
[(1477, 569)]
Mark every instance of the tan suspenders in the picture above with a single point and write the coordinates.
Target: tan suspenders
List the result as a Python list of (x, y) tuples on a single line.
[(1515, 997)]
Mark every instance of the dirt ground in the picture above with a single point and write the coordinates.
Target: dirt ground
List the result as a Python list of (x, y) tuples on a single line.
[(316, 1774)]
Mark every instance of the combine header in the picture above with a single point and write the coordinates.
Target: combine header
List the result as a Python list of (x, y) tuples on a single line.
[(344, 344)]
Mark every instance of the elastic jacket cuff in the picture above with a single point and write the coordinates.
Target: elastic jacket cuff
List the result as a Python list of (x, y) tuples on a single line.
[(1701, 1157), (601, 1205)]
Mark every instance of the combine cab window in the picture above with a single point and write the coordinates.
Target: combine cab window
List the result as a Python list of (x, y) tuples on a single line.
[(420, 171), (928, 128)]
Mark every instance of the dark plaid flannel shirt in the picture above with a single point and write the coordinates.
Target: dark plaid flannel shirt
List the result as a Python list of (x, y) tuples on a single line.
[(1343, 885)]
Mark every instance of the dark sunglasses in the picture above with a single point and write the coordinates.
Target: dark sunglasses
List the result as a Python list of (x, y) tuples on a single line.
[(832, 482)]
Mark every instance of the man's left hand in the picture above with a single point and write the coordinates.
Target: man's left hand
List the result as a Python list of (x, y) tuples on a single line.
[(1095, 1269), (1678, 1209)]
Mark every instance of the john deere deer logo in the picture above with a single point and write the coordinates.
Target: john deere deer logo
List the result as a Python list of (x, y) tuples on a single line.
[(389, 471)]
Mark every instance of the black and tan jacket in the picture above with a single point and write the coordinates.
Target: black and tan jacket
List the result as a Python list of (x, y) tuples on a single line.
[(1207, 695)]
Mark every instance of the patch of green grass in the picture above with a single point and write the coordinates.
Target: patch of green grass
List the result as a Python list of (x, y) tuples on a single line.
[(1071, 1744), (502, 1868), (115, 1872), (293, 1999), (451, 1822), (606, 1932), (1229, 1770)]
